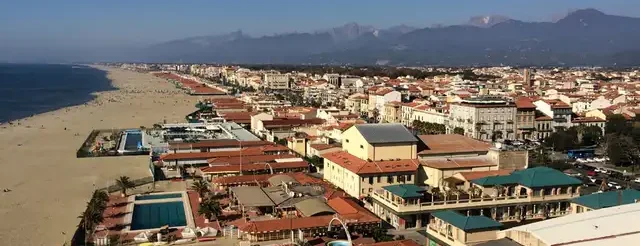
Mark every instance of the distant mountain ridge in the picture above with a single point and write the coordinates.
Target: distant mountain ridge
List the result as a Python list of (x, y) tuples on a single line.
[(583, 37)]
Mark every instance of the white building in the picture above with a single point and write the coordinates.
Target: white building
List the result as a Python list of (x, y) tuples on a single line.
[(276, 81)]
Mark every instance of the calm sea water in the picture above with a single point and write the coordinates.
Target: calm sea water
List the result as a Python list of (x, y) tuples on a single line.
[(27, 89)]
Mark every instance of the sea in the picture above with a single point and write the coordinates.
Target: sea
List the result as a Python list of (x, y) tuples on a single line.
[(30, 89)]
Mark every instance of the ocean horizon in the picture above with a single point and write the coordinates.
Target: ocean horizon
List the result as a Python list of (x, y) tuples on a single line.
[(31, 89)]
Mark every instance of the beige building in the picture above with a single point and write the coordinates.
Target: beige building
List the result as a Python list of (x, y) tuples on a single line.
[(379, 142), (525, 118), (392, 112), (373, 156), (484, 118), (529, 194), (455, 229), (359, 177), (276, 81)]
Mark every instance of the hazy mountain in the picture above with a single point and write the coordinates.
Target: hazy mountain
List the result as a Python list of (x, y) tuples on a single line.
[(583, 37), (350, 31), (487, 21)]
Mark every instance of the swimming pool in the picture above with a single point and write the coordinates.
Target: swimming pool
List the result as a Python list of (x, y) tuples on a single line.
[(158, 196), (156, 215), (132, 141)]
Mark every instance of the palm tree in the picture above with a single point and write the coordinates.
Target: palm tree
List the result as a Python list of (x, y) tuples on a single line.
[(474, 191), (201, 187), (498, 189), (433, 191), (90, 218), (303, 242), (209, 208), (124, 183)]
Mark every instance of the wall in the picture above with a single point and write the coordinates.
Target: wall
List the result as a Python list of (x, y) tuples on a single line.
[(511, 159), (366, 187), (351, 142), (433, 176), (481, 236), (391, 151), (524, 238), (342, 178)]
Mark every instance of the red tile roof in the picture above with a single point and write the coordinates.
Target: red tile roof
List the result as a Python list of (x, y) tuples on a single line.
[(454, 163), (219, 143), (359, 166), (254, 167), (525, 103), (248, 159), (451, 144), (481, 174)]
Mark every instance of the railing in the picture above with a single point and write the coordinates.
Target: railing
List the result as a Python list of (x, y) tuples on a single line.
[(472, 202)]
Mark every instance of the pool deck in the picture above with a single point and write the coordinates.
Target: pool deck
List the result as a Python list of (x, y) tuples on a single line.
[(132, 202), (119, 212)]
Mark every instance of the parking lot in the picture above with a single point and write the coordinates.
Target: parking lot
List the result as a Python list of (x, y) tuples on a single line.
[(593, 173)]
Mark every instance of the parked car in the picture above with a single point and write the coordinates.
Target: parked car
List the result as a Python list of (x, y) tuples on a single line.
[(591, 173), (637, 180), (614, 185), (593, 180)]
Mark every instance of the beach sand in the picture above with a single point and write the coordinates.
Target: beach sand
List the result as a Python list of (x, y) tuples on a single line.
[(49, 185)]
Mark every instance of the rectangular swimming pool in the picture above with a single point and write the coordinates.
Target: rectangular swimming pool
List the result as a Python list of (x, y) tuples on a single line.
[(132, 141), (158, 196), (156, 215)]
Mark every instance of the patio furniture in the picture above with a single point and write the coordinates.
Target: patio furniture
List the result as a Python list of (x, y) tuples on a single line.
[(142, 237)]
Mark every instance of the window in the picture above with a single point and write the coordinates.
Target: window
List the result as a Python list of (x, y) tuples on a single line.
[(390, 179), (362, 147), (370, 180), (346, 140), (379, 179), (409, 177)]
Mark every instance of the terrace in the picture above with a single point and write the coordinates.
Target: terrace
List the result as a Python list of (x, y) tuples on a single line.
[(513, 189)]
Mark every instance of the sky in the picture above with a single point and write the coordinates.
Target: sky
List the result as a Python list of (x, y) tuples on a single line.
[(114, 23)]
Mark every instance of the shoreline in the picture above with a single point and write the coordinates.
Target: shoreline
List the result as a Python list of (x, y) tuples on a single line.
[(49, 185), (75, 102)]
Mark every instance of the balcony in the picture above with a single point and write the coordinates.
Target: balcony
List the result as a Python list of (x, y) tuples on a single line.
[(453, 203)]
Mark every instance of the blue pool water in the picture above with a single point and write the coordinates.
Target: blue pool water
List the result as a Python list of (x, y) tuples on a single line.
[(158, 196), (155, 215), (132, 141)]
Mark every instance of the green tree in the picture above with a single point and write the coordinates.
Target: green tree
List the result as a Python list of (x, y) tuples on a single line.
[(617, 124), (458, 130), (622, 150), (210, 208), (591, 135), (124, 183), (381, 235), (562, 139)]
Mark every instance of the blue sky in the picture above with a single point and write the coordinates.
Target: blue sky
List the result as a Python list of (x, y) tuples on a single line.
[(140, 22)]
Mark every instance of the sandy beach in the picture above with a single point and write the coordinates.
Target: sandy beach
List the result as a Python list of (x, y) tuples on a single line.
[(49, 185)]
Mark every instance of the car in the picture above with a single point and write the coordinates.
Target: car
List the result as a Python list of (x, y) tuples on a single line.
[(599, 159), (591, 173), (614, 185), (605, 171), (637, 180), (598, 170)]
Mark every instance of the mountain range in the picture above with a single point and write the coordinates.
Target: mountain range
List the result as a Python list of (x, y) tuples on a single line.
[(585, 37)]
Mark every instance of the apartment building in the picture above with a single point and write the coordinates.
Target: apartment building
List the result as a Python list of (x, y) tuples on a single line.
[(528, 194), (380, 142), (276, 81), (525, 118), (392, 112), (484, 118)]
